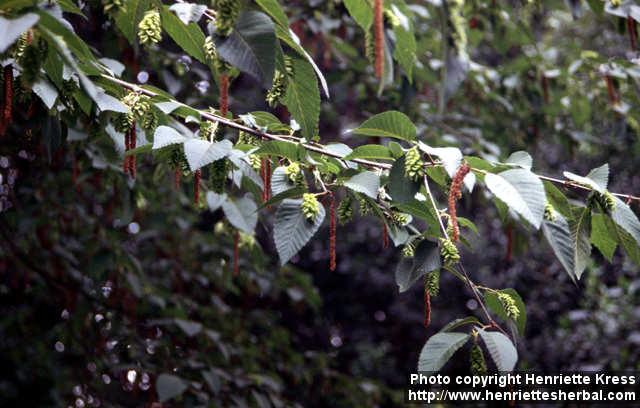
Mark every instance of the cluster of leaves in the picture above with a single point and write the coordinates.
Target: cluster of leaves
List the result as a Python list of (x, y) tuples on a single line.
[(394, 182)]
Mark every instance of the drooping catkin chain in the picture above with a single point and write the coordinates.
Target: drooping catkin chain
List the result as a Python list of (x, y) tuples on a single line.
[(455, 192), (332, 232), (224, 94), (378, 27), (7, 110), (317, 148)]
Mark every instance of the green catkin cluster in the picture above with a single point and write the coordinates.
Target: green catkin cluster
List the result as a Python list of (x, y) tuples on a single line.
[(255, 161), (549, 212), (178, 160), (207, 130), (139, 110), (112, 6), (210, 51), (478, 363), (294, 174), (310, 206), (345, 211), (509, 305), (432, 282), (31, 54), (248, 139), (278, 89), (413, 165), (391, 18), (364, 206), (399, 218), (459, 24), (227, 12), (408, 250), (369, 47), (150, 28), (608, 202), (449, 252), (218, 175)]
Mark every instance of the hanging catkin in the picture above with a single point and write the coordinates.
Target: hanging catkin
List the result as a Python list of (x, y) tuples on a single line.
[(224, 94), (385, 236), (7, 111), (633, 33), (236, 253), (332, 233), (611, 90), (132, 145), (176, 178), (378, 27), (196, 186), (427, 307), (454, 194)]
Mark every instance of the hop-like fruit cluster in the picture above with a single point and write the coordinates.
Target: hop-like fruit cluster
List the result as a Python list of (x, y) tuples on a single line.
[(218, 175), (449, 252), (310, 206), (432, 282), (509, 305), (255, 161), (139, 109), (608, 202), (248, 139), (294, 174), (369, 47), (150, 28), (345, 211), (408, 250), (207, 130), (478, 363), (31, 54), (364, 206), (459, 24), (549, 212), (399, 218), (178, 160), (413, 164), (209, 48), (227, 12), (278, 88)]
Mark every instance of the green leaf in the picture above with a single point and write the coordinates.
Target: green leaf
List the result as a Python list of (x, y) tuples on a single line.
[(241, 213), (400, 188), (493, 303), (303, 98), (580, 227), (292, 230), (251, 46), (366, 182), (200, 152), (361, 11), (426, 259), (280, 181), (165, 136), (558, 235), (522, 191), (371, 151), (290, 193), (170, 386), (597, 178), (419, 209), (189, 37), (521, 159), (405, 46), (557, 199), (392, 124), (460, 322), (10, 30), (501, 349), (47, 92), (439, 349), (626, 219), (188, 12), (272, 7), (77, 46), (127, 19), (291, 151), (601, 236)]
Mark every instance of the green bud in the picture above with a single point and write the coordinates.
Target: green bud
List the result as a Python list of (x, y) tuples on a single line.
[(549, 212), (278, 89)]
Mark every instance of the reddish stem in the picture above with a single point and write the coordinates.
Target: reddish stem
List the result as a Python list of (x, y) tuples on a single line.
[(427, 307), (385, 235), (7, 111), (196, 186), (332, 233), (224, 94)]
